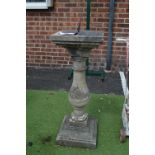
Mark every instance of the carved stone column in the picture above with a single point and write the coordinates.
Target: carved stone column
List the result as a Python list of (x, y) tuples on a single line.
[(79, 93)]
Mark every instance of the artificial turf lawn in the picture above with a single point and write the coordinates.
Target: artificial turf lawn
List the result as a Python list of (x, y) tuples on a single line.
[(45, 112)]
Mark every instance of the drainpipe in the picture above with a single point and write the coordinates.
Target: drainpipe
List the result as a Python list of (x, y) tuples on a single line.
[(111, 17), (88, 28), (88, 15)]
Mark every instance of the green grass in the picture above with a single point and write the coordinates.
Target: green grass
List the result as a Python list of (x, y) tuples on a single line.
[(45, 111)]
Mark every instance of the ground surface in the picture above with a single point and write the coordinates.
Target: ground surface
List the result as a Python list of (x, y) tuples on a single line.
[(45, 111), (45, 79)]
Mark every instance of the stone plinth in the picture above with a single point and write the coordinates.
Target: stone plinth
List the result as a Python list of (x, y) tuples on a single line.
[(77, 135)]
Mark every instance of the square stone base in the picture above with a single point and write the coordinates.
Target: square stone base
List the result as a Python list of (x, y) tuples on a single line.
[(77, 136)]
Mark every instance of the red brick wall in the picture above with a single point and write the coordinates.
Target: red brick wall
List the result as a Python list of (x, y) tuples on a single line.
[(64, 16)]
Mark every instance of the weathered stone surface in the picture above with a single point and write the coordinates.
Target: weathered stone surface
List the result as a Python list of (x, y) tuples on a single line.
[(79, 93), (77, 135), (78, 45), (82, 36), (78, 129)]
